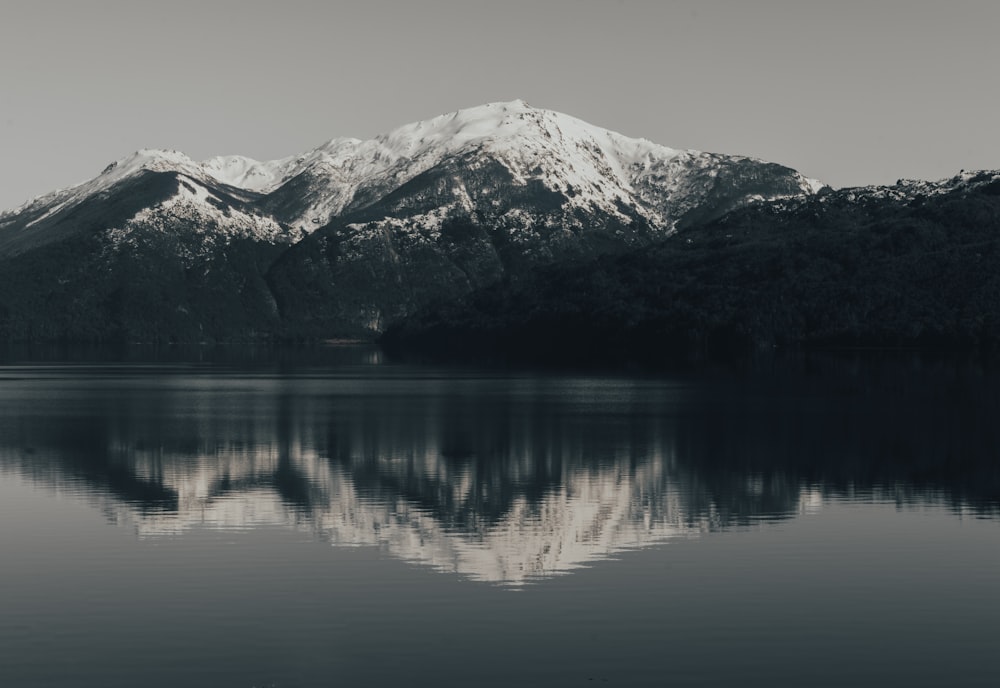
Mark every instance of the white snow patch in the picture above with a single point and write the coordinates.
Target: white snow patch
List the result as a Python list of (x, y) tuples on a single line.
[(594, 168)]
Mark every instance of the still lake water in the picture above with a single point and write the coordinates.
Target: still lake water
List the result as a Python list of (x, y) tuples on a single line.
[(330, 519)]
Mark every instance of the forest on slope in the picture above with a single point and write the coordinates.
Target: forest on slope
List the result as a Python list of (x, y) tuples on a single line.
[(911, 265)]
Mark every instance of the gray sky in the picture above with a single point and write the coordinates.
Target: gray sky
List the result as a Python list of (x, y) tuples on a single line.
[(851, 92)]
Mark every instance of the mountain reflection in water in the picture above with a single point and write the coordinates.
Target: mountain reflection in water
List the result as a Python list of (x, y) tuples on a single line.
[(502, 478)]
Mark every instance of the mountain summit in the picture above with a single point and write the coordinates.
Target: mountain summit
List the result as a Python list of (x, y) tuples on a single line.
[(353, 235)]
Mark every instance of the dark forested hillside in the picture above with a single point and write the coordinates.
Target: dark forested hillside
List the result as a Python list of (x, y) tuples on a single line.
[(913, 264)]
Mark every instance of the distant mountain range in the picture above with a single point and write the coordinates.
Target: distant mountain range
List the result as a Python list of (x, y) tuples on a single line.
[(353, 236), (501, 227)]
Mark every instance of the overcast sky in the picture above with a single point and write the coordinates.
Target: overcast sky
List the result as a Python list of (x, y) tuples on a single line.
[(851, 92)]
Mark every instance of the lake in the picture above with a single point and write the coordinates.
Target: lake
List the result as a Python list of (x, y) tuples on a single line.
[(326, 517)]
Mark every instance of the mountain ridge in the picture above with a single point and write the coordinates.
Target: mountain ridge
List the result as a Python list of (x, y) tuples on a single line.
[(354, 235), (358, 161)]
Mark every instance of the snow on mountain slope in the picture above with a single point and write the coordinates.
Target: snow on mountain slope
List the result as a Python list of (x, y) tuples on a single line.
[(511, 164), (591, 168), (595, 168), (49, 204), (203, 217), (150, 190), (247, 173)]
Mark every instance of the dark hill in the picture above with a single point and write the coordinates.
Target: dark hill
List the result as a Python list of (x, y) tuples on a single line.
[(915, 264)]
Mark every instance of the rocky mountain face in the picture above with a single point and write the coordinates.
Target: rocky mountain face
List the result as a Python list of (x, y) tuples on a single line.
[(913, 264), (355, 235)]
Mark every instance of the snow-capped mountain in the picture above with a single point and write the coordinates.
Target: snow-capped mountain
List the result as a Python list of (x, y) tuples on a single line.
[(594, 168), (148, 189), (380, 227)]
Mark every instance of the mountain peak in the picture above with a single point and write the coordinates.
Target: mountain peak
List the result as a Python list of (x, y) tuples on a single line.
[(156, 159), (515, 129), (588, 166), (516, 105), (381, 228)]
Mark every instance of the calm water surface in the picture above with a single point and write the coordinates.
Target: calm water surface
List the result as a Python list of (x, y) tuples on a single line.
[(330, 519)]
